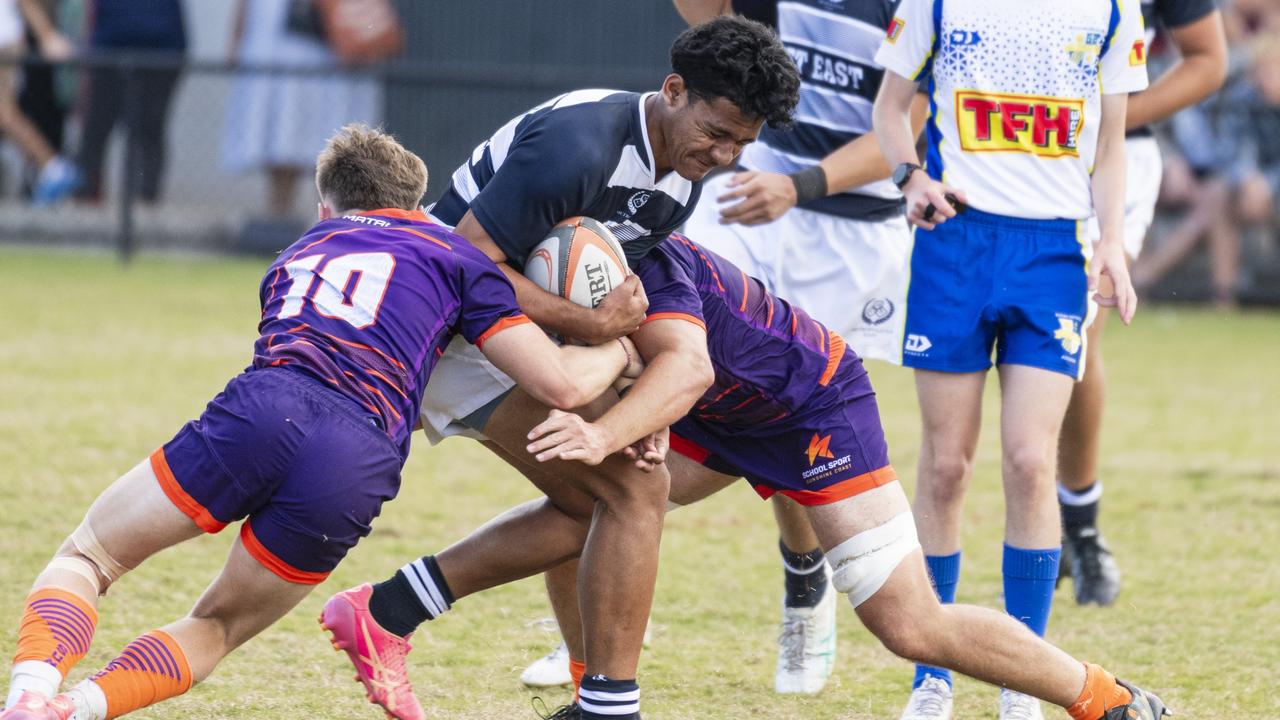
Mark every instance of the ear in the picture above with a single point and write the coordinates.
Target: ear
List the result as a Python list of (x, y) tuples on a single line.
[(674, 92)]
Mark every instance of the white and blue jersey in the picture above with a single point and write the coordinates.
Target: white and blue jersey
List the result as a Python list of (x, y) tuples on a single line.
[(833, 44), (585, 153), (1015, 92)]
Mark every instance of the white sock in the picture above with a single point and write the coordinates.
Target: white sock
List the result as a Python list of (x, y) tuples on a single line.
[(91, 703), (35, 675)]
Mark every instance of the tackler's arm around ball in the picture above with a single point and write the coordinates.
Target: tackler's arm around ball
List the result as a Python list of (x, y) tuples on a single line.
[(619, 314), (678, 371)]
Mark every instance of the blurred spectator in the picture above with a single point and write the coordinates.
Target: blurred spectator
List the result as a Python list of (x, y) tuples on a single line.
[(56, 177), (152, 31), (279, 121), (40, 100), (1231, 146)]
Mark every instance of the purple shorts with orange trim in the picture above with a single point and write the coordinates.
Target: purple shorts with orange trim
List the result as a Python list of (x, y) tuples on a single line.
[(309, 468), (832, 449)]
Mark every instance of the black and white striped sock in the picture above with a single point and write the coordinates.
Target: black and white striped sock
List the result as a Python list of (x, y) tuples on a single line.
[(416, 593), (603, 699)]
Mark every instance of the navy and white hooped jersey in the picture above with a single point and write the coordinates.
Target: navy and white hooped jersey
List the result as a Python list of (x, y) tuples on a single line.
[(833, 44), (586, 153), (1170, 14)]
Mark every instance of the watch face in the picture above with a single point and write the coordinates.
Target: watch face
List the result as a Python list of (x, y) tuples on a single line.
[(901, 173)]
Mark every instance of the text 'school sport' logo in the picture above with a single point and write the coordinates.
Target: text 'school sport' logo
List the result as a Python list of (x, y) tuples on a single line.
[(1044, 126), (895, 30), (1138, 53), (818, 448)]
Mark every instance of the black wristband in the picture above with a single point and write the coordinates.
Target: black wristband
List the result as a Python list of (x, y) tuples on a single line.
[(811, 184)]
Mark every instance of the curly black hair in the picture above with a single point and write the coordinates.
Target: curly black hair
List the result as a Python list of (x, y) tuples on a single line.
[(741, 61)]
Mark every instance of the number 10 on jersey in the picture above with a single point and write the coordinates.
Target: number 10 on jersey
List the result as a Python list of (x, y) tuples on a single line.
[(347, 287)]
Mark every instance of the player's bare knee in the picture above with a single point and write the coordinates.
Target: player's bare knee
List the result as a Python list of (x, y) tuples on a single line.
[(947, 477), (1026, 462)]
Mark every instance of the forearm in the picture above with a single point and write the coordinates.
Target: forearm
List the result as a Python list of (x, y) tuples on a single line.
[(592, 369), (1188, 82), (1108, 187), (861, 160), (662, 394), (891, 121), (551, 312)]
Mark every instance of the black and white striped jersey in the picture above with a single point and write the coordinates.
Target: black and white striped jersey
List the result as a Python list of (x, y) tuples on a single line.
[(586, 153), (833, 43)]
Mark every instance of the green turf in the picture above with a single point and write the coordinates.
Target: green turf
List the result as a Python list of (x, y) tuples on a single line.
[(99, 364)]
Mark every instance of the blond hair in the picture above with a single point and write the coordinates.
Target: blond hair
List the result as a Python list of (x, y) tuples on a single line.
[(363, 168)]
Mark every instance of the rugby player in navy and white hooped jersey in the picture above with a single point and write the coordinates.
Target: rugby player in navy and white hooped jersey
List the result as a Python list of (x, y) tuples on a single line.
[(1025, 144), (1195, 27), (811, 213), (633, 161)]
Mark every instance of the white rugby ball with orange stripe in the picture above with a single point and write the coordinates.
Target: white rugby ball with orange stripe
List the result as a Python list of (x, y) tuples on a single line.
[(580, 260)]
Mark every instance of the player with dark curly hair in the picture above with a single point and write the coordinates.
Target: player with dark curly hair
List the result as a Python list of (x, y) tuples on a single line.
[(634, 162), (738, 60)]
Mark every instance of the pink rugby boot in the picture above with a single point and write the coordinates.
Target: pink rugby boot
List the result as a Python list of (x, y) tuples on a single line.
[(377, 654), (33, 706)]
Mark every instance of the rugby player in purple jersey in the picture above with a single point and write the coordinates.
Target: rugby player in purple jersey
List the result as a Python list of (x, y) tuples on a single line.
[(304, 446), (793, 411)]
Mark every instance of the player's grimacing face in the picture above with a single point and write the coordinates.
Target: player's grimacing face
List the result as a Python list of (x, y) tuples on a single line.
[(709, 134)]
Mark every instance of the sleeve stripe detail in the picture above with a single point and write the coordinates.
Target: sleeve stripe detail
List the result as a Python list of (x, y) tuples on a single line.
[(507, 322), (675, 316)]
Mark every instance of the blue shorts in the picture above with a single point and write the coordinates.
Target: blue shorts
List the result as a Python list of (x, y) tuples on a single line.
[(309, 468), (981, 280), (832, 449)]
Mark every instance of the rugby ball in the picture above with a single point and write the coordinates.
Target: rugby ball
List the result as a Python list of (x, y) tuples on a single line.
[(580, 260)]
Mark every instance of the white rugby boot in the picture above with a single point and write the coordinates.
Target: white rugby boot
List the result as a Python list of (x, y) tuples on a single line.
[(1016, 706), (931, 701), (550, 670), (807, 645)]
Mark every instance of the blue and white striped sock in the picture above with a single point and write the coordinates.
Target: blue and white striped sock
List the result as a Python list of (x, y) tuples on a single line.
[(603, 699)]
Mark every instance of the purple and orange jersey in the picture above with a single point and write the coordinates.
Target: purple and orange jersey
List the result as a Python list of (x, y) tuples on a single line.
[(366, 304), (769, 356), (791, 409)]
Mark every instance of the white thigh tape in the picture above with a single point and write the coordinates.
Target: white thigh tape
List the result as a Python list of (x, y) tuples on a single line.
[(862, 564)]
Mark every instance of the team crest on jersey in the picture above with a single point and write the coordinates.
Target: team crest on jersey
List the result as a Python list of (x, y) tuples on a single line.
[(996, 122), (1068, 334), (637, 201), (1085, 48), (1138, 53), (895, 30), (877, 310)]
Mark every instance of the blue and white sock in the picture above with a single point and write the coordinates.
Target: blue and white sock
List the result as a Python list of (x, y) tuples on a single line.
[(944, 571), (603, 699), (1029, 577)]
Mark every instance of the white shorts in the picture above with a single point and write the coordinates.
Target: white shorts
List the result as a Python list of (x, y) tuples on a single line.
[(850, 275), (462, 382), (1143, 168)]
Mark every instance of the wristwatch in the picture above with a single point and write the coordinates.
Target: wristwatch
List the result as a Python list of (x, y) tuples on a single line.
[(902, 173)]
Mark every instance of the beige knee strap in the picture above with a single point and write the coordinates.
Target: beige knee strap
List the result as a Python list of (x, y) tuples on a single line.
[(78, 566), (87, 543)]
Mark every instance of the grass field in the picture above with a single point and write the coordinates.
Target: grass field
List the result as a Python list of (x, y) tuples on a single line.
[(99, 364)]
